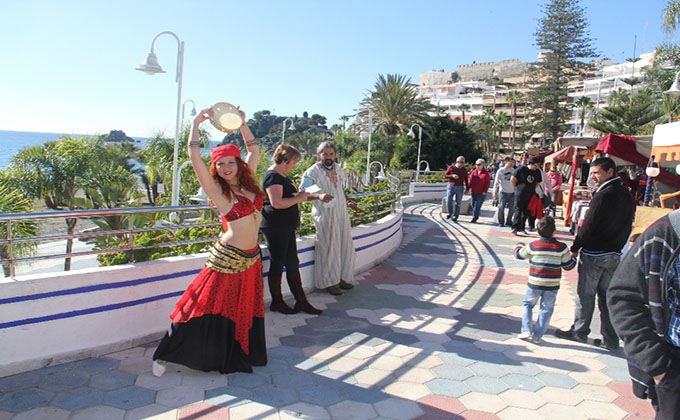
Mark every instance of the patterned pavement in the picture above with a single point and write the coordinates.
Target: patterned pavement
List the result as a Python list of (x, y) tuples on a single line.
[(429, 334)]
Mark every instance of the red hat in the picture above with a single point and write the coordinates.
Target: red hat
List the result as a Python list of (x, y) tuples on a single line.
[(217, 153)]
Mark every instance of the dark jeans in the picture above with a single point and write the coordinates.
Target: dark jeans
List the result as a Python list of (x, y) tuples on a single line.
[(282, 250), (457, 191), (477, 201), (506, 200), (667, 401), (594, 276)]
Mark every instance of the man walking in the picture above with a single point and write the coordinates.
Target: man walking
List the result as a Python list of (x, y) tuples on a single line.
[(504, 191), (644, 298), (333, 248), (600, 239), (458, 182), (524, 180)]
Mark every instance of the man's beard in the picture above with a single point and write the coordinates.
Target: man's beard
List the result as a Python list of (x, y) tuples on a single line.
[(328, 162)]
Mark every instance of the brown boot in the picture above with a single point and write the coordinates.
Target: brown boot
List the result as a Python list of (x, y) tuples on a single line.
[(301, 303), (278, 304)]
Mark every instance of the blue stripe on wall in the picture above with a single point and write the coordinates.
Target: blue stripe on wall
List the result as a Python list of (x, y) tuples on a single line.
[(72, 314), (97, 287), (136, 282)]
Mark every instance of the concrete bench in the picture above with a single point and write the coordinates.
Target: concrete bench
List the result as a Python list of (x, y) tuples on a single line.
[(465, 208)]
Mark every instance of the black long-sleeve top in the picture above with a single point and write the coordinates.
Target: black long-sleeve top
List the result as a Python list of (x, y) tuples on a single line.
[(609, 220)]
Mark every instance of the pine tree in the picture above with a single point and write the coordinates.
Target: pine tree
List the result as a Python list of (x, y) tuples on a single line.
[(563, 38), (631, 117)]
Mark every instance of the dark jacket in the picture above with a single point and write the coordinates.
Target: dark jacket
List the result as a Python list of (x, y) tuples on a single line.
[(638, 304), (609, 220)]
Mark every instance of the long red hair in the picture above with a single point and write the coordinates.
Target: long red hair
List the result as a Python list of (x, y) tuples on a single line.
[(246, 179)]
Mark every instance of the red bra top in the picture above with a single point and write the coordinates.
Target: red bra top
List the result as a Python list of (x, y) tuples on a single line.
[(242, 207)]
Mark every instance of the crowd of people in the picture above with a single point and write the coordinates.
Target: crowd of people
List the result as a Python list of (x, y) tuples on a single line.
[(218, 323), (523, 188)]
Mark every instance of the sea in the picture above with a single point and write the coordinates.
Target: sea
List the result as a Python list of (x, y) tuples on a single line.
[(14, 141)]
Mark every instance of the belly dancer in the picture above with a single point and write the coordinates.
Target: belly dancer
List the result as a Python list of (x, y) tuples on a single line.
[(218, 323)]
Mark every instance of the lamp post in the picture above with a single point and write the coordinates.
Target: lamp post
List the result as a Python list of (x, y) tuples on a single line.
[(420, 138), (193, 108), (674, 90), (151, 66), (367, 177), (427, 165), (381, 172), (283, 128)]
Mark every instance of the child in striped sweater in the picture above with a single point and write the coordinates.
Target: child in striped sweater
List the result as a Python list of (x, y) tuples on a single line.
[(547, 257)]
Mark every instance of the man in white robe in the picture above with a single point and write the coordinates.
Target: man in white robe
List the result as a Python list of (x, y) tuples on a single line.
[(333, 249)]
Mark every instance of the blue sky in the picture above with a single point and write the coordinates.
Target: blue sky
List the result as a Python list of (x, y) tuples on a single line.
[(68, 65)]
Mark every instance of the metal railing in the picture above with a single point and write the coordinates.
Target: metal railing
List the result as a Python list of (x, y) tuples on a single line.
[(162, 217)]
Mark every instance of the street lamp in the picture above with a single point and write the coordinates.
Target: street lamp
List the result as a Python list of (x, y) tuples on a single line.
[(367, 177), (193, 108), (381, 172), (151, 66), (427, 165), (675, 87), (420, 138), (283, 128)]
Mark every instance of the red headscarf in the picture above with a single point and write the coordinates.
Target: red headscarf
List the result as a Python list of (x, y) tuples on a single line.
[(217, 153)]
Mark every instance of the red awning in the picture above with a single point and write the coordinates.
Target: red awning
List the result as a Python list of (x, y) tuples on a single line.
[(623, 147), (564, 155)]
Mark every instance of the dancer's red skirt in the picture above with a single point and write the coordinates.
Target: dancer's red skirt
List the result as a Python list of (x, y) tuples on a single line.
[(218, 323)]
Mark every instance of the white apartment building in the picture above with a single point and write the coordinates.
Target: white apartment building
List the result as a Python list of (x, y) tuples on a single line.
[(438, 87), (609, 79)]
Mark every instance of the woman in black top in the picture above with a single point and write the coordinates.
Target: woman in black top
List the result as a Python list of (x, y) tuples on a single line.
[(280, 219)]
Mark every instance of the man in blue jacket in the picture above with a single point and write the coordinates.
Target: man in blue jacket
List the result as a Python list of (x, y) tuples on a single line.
[(644, 298), (598, 245)]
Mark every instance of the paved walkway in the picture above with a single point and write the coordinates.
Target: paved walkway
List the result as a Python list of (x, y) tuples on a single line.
[(429, 334)]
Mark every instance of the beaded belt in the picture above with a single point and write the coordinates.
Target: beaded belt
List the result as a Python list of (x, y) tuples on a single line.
[(228, 259)]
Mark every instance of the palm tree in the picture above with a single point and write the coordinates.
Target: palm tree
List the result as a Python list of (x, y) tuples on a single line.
[(585, 106), (485, 126), (344, 119), (395, 104), (157, 158), (671, 16), (514, 97), (55, 172), (500, 122), (462, 108), (12, 200)]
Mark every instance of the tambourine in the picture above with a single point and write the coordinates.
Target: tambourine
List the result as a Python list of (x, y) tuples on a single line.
[(226, 117)]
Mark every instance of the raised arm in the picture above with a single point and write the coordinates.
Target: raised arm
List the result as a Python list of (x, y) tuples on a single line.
[(212, 189), (251, 145)]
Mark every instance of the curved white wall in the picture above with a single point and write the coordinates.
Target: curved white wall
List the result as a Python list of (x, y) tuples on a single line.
[(55, 318), (421, 191)]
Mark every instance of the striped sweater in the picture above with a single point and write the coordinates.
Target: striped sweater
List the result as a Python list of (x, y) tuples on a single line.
[(547, 257)]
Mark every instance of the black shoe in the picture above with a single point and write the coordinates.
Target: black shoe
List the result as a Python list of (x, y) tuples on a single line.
[(307, 308), (501, 225), (599, 343), (570, 335), (345, 285), (448, 216), (334, 290), (455, 219), (281, 306), (474, 220)]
